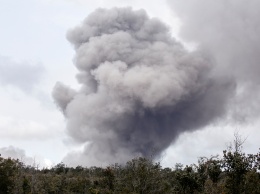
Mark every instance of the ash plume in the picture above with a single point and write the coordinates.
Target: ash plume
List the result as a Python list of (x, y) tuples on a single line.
[(140, 88), (229, 30)]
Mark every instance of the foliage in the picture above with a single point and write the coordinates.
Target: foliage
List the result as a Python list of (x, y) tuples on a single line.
[(9, 171), (235, 172)]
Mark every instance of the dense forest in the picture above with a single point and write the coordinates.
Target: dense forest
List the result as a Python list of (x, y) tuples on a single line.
[(234, 172)]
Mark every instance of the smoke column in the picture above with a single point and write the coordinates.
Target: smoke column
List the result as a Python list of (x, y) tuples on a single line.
[(229, 30), (140, 88)]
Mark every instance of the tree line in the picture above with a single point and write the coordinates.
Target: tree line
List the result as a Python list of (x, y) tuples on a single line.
[(234, 172)]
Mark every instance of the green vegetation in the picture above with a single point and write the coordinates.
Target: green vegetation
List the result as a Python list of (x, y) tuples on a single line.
[(234, 173)]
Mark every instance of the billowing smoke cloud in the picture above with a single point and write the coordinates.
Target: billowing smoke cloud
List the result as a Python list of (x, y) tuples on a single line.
[(229, 30), (140, 88)]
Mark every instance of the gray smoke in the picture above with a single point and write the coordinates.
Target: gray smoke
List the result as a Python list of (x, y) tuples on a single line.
[(140, 88), (16, 153), (229, 30)]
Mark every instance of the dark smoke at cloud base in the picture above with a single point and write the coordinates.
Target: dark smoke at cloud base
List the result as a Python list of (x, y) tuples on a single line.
[(140, 88)]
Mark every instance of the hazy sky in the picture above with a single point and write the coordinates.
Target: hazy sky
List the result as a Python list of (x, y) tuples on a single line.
[(35, 54)]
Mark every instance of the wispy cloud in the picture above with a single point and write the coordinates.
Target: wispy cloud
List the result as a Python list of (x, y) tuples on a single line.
[(22, 75)]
